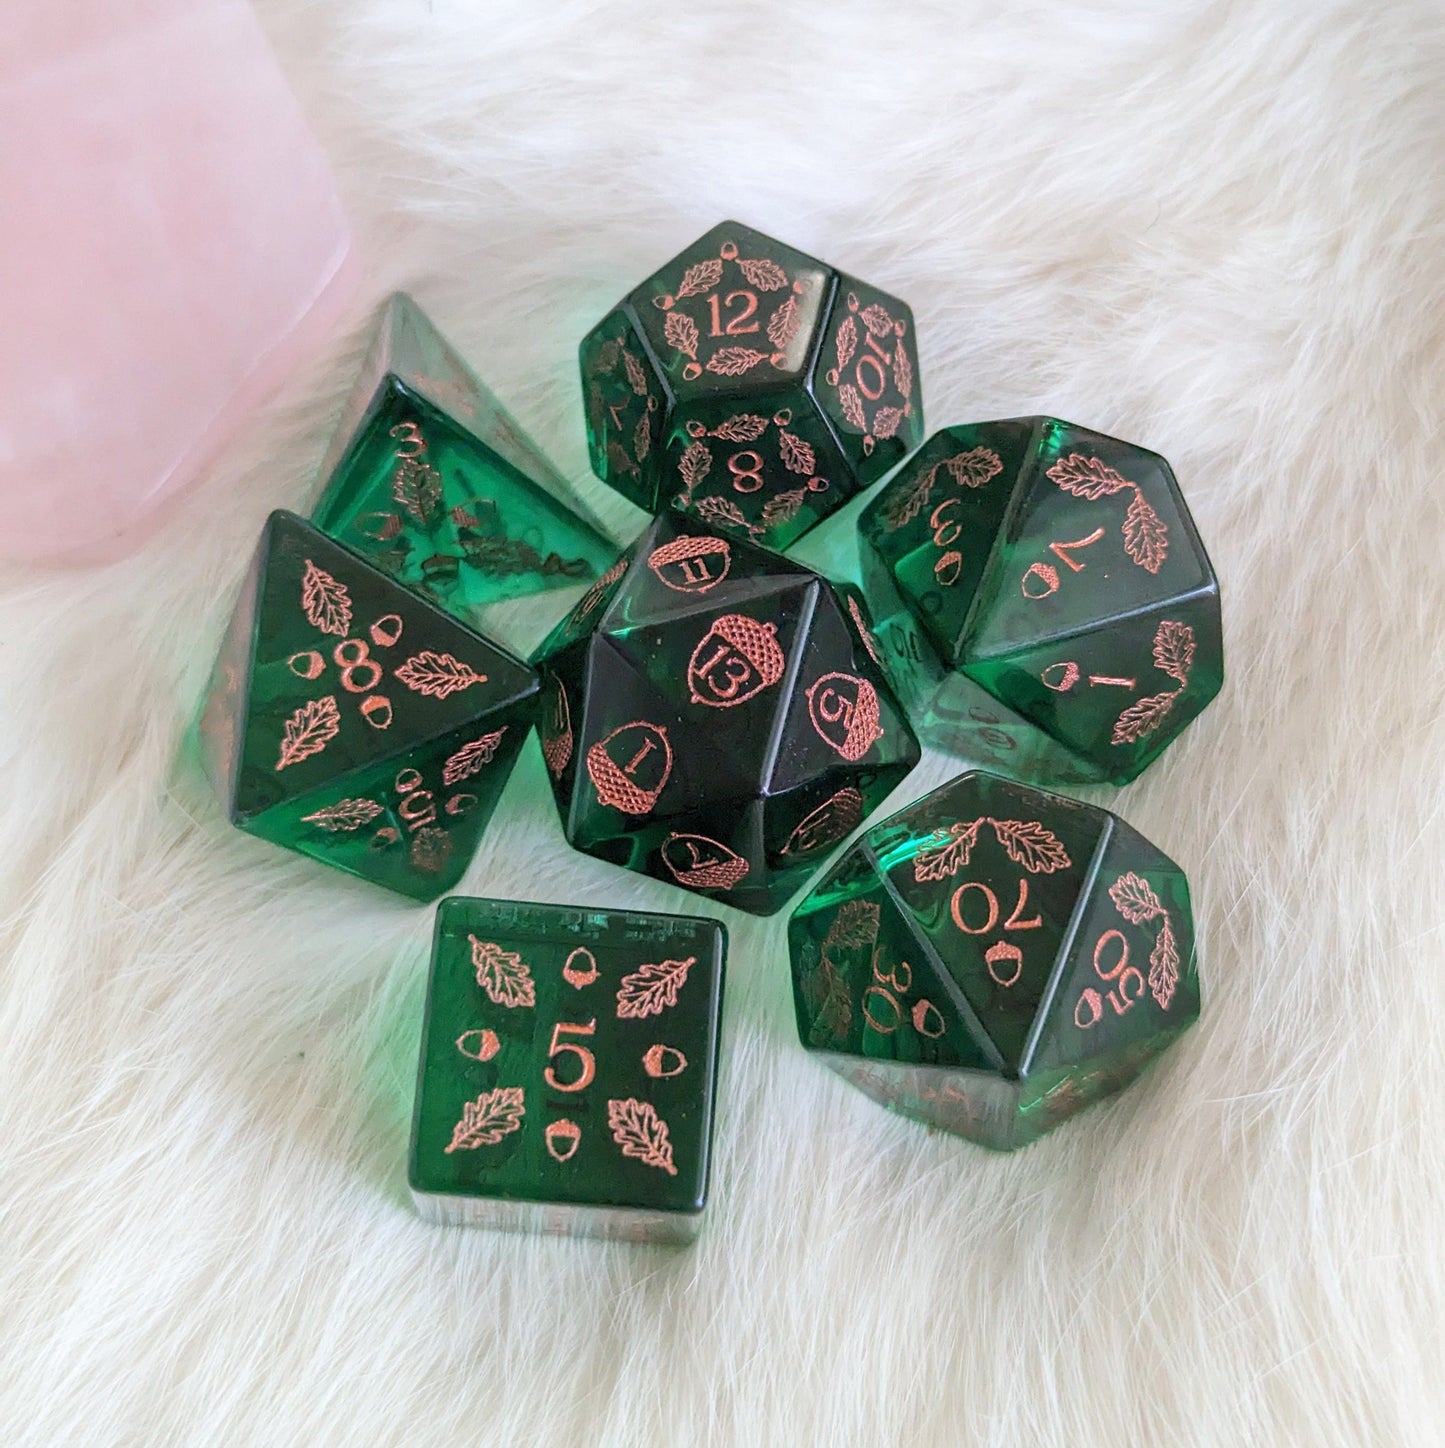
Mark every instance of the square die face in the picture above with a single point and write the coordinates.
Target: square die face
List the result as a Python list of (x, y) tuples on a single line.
[(569, 1057)]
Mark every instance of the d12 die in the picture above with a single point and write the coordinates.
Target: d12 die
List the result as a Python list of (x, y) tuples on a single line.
[(711, 715), (431, 481), (992, 959), (568, 1068), (356, 723), (1044, 599), (750, 385)]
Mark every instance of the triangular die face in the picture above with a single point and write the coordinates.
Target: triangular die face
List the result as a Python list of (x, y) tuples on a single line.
[(410, 823), (348, 669), (1098, 529), (626, 406), (933, 528), (584, 617), (1119, 693), (1131, 975), (717, 852), (992, 881), (841, 712), (735, 312)]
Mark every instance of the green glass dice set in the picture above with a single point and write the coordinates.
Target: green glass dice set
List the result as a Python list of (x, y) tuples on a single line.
[(989, 960)]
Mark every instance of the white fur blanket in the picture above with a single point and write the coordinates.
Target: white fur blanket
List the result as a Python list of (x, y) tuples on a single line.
[(1212, 227)]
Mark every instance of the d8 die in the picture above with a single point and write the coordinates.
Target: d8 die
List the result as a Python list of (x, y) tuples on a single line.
[(1043, 598), (568, 1068), (432, 482), (712, 716), (992, 959), (356, 723), (750, 385)]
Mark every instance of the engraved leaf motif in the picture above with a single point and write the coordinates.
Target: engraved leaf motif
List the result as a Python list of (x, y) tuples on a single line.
[(1174, 650), (847, 342), (503, 974), (946, 852), (1142, 718), (437, 675), (635, 375), (642, 438), (1164, 966), (325, 602), (972, 469), (1146, 535), (783, 325), (876, 319), (652, 988), (1090, 478), (908, 504), (721, 511), (470, 758), (681, 333), (308, 731), (902, 371), (417, 486), (886, 421), (346, 815), (695, 464), (640, 1132), (855, 924), (485, 1121), (1029, 844), (700, 277), (784, 508), (835, 1012), (1134, 898), (734, 361), (797, 455), (765, 275), (745, 427), (852, 405)]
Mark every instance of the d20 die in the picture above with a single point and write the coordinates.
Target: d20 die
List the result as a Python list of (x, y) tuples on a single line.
[(568, 1069), (992, 959), (354, 722), (750, 385), (1044, 599), (712, 716), (432, 482)]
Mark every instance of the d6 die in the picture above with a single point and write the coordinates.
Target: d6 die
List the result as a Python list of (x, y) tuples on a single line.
[(1043, 598), (432, 482), (992, 959), (568, 1068), (712, 716), (354, 722), (750, 385)]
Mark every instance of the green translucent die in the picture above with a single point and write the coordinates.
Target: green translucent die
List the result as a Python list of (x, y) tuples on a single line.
[(713, 716), (356, 723), (750, 385), (993, 958), (1044, 599), (432, 482), (568, 1070)]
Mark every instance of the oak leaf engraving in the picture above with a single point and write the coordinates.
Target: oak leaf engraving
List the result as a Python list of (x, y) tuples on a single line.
[(485, 1121), (745, 427), (1174, 650), (652, 988), (855, 924), (721, 510), (642, 437), (635, 373), (640, 1132), (1029, 844), (701, 276), (784, 508), (886, 421), (846, 342), (308, 731), (1164, 966), (852, 406), (1142, 718), (470, 758), (681, 333), (876, 319), (907, 505), (503, 974), (1146, 535), (974, 468), (344, 816), (796, 454), (734, 361), (1086, 477), (417, 487), (695, 464), (1134, 898), (945, 852), (325, 602), (437, 675), (783, 325), (902, 371), (765, 275)]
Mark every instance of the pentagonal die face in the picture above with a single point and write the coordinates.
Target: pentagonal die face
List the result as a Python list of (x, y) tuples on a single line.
[(1051, 578), (993, 958), (355, 723), (752, 386), (712, 716), (568, 1070)]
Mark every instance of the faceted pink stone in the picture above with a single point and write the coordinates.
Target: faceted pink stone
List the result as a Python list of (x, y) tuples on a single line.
[(172, 243)]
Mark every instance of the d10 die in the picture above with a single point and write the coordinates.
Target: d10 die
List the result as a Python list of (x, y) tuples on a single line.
[(750, 385), (1043, 598), (712, 716), (992, 959), (354, 722), (431, 481), (568, 1067)]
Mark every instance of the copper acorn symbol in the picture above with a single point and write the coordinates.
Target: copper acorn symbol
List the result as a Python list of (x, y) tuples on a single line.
[(845, 712), (568, 1133), (737, 658), (576, 975), (662, 1061), (691, 564), (702, 863), (479, 1045)]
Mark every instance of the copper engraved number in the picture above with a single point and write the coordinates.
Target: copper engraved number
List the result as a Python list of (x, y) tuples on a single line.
[(559, 1047), (737, 321), (1128, 983)]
